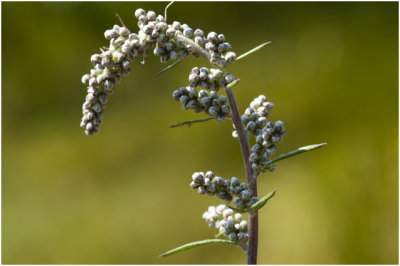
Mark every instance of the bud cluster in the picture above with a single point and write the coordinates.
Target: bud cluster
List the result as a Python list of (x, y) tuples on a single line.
[(213, 104), (210, 184), (255, 117), (169, 41), (108, 66), (228, 223), (154, 31), (217, 47), (210, 79), (266, 146)]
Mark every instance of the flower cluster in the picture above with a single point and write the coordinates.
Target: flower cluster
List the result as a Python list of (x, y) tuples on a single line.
[(169, 41), (255, 117), (108, 66), (266, 146), (155, 32), (217, 47), (179, 40), (210, 184), (228, 223), (267, 134), (210, 79), (213, 104)]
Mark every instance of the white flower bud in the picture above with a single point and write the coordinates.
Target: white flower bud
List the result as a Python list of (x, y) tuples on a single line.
[(227, 212), (238, 217), (207, 181), (124, 32), (220, 208), (243, 226), (198, 177), (194, 184), (176, 25), (199, 41), (151, 15), (85, 79), (139, 12), (211, 47)]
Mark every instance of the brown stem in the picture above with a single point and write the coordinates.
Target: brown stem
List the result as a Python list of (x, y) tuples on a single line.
[(251, 178)]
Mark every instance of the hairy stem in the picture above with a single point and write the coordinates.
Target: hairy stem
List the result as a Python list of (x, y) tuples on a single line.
[(251, 178), (196, 47)]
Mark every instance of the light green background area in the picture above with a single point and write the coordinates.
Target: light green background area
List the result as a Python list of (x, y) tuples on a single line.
[(123, 195)]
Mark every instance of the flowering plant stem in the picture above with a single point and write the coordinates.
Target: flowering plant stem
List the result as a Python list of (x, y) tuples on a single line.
[(174, 42), (251, 178)]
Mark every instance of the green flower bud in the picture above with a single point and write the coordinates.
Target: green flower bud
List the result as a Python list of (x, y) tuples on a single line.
[(229, 226), (188, 32), (235, 182), (243, 237), (212, 37), (245, 195), (233, 237)]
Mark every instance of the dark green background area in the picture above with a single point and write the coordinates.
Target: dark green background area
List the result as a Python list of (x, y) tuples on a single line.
[(123, 195)]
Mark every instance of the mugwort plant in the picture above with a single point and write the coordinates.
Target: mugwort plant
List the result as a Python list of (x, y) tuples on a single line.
[(209, 91)]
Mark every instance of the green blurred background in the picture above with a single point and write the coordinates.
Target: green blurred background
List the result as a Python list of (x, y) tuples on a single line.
[(123, 195)]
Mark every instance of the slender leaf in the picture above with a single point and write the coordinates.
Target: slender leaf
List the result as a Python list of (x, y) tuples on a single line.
[(196, 244), (259, 204), (252, 51), (236, 210), (188, 123), (233, 83), (297, 151), (170, 66), (165, 11)]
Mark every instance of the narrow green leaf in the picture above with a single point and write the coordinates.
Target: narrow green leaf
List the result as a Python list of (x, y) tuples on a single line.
[(259, 204), (297, 151), (170, 66), (196, 244), (233, 83), (165, 11), (188, 123), (252, 51), (236, 210)]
